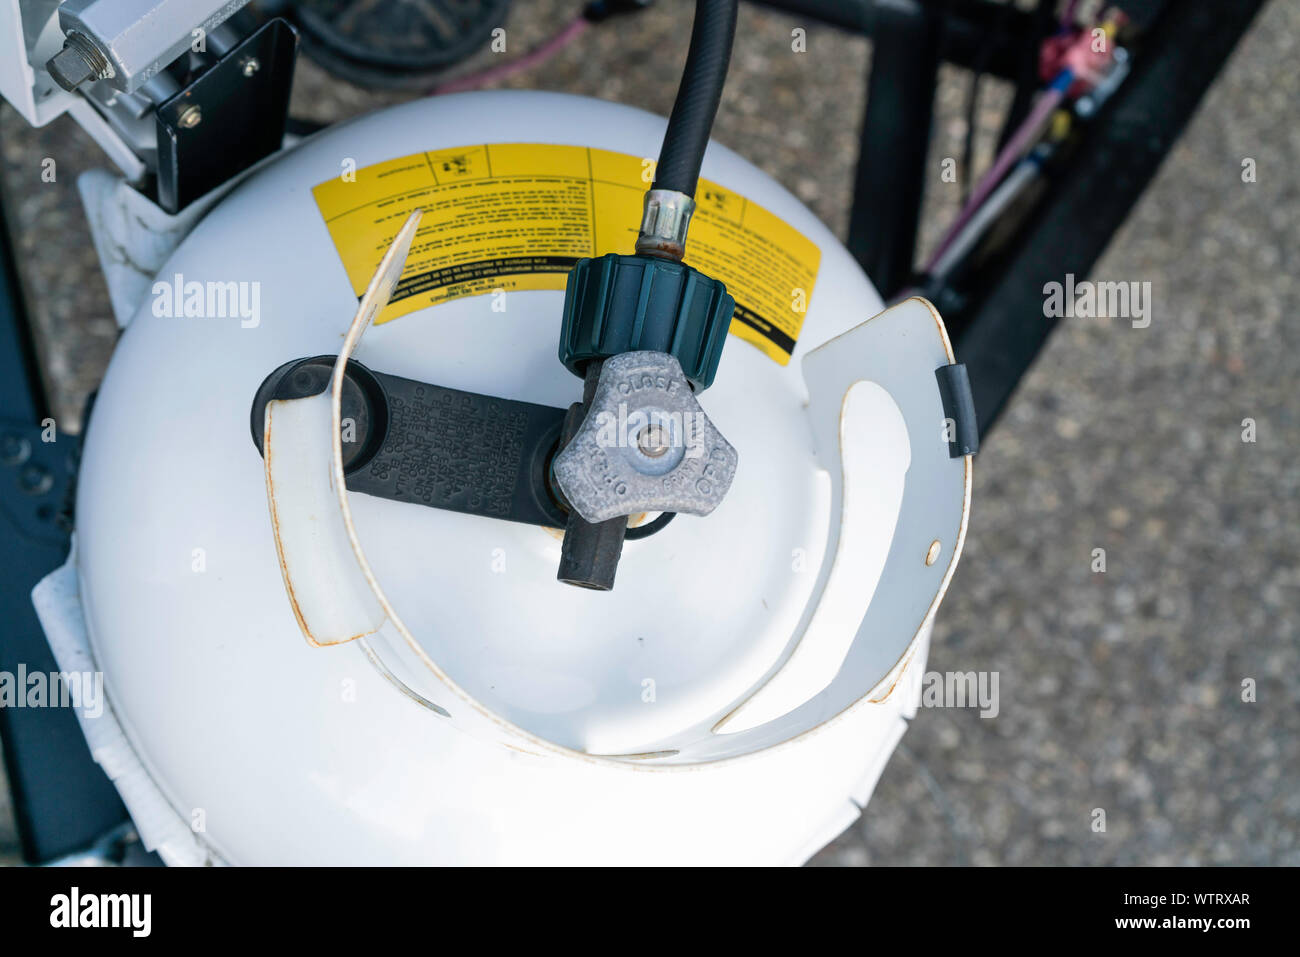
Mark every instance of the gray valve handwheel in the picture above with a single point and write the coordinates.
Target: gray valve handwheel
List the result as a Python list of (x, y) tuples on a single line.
[(646, 445)]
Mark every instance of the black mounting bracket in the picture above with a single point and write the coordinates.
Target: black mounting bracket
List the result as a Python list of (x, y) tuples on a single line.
[(428, 445), (227, 119)]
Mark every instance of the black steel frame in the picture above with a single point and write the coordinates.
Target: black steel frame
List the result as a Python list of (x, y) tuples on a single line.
[(996, 317), (62, 800), (997, 320)]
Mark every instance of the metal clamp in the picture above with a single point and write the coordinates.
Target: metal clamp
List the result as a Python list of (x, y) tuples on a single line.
[(664, 223)]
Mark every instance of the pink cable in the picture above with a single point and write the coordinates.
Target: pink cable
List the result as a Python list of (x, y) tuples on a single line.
[(530, 59), (1016, 147)]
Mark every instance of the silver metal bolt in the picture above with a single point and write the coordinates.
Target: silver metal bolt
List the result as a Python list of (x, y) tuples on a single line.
[(14, 449), (35, 479), (190, 117), (251, 66), (78, 62), (653, 441)]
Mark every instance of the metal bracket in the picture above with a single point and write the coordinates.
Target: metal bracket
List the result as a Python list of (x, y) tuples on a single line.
[(428, 445), (226, 120)]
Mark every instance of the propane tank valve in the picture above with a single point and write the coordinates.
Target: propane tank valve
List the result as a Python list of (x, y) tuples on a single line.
[(630, 320), (648, 318), (645, 445)]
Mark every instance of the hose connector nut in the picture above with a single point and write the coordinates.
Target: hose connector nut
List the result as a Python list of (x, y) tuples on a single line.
[(664, 223), (79, 61), (616, 304)]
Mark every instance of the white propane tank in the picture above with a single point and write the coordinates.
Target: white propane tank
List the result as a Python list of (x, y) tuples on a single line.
[(732, 700)]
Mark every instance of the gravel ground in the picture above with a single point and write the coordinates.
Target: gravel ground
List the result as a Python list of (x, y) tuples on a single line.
[(1120, 691)]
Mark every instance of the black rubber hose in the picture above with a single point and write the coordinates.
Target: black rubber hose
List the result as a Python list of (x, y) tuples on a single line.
[(648, 529), (691, 121)]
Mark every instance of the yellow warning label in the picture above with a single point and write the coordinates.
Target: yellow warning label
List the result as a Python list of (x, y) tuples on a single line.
[(519, 216)]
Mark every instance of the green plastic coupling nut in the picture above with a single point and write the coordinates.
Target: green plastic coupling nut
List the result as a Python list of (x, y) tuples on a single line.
[(615, 304)]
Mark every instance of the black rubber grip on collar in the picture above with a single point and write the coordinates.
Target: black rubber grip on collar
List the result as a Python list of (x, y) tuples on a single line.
[(959, 407)]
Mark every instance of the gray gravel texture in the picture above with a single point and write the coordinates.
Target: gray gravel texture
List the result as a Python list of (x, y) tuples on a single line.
[(1120, 691)]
